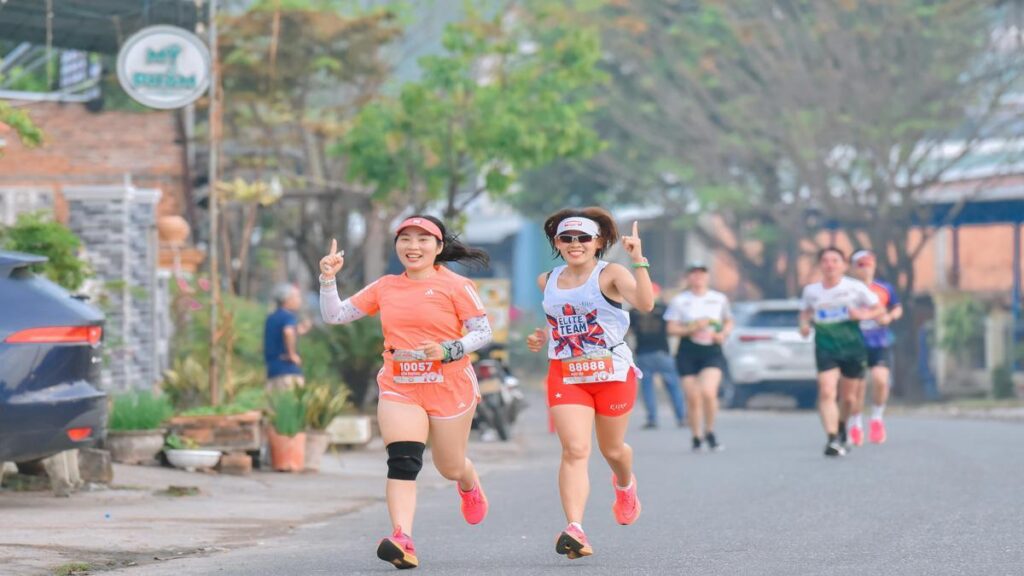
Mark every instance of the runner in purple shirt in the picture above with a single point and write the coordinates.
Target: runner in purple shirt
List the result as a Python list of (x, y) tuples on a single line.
[(879, 339)]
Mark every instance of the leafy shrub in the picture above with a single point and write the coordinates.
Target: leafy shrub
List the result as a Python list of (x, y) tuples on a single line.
[(1002, 382), (962, 324), (322, 403), (38, 233), (352, 351), (287, 412), (187, 384), (246, 401), (175, 442), (139, 411)]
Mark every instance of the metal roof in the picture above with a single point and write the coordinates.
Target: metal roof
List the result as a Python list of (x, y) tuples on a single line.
[(91, 25)]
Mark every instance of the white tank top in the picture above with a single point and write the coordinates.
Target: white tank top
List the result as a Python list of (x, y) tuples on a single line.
[(582, 321)]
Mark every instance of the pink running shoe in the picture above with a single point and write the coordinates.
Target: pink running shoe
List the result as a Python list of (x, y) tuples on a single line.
[(398, 550), (627, 506), (573, 543), (474, 503), (876, 431), (857, 435)]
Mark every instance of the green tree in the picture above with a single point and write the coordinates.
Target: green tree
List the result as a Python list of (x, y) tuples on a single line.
[(294, 73), (37, 233), (770, 120), (509, 93), (19, 121)]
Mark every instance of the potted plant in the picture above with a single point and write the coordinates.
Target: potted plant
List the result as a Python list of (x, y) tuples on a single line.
[(230, 426), (186, 454), (322, 403), (286, 436), (134, 431)]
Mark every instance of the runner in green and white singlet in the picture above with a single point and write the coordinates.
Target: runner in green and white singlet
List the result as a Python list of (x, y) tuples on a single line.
[(836, 305)]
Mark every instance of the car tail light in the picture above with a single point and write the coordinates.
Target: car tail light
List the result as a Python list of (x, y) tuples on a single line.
[(58, 335), (755, 338), (79, 434)]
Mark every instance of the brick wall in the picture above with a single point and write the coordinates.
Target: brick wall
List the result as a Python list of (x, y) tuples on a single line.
[(85, 148)]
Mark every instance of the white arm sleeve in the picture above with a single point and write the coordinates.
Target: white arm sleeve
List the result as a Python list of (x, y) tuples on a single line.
[(479, 334), (334, 311)]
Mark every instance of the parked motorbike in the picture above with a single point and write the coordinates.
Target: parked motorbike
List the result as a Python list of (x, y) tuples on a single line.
[(502, 399)]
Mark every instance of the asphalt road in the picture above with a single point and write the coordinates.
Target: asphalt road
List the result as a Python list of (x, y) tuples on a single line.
[(942, 497)]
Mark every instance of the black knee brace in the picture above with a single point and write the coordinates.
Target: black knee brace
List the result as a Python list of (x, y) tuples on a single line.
[(405, 460)]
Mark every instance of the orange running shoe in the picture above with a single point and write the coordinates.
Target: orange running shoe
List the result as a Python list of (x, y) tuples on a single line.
[(474, 503), (627, 506), (857, 435), (876, 431), (573, 543), (398, 549)]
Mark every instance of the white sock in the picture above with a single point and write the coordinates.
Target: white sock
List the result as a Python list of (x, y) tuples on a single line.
[(857, 421), (624, 488), (877, 411), (577, 525)]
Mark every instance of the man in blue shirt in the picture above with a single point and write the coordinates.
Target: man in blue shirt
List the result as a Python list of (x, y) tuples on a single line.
[(280, 340)]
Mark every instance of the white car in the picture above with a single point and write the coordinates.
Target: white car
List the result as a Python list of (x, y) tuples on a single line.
[(767, 354)]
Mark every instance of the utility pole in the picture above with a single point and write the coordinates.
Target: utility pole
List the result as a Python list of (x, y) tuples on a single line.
[(215, 128)]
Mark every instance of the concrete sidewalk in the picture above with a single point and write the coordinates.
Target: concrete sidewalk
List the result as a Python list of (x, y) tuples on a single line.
[(136, 522)]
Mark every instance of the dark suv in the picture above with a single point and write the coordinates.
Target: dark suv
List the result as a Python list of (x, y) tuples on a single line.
[(49, 365)]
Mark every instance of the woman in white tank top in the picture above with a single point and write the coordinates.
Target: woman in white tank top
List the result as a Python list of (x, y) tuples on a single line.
[(591, 375)]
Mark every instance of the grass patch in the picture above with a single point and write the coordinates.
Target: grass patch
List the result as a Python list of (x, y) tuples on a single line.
[(986, 403), (71, 569), (139, 411), (25, 483), (179, 491)]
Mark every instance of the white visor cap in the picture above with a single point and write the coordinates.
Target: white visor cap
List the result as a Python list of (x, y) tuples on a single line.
[(578, 224)]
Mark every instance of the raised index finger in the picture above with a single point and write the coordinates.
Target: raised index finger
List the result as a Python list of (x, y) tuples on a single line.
[(334, 246), (636, 232)]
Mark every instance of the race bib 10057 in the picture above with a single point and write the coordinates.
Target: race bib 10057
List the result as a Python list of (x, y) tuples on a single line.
[(412, 367), (417, 371)]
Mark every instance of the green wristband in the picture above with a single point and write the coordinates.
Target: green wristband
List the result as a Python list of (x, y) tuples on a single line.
[(641, 264)]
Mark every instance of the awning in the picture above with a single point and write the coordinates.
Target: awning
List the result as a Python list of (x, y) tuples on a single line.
[(92, 25)]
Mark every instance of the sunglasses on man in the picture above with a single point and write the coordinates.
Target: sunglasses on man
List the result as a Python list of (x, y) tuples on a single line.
[(570, 238)]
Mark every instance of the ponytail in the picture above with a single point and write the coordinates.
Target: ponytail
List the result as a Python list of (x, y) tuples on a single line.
[(455, 251)]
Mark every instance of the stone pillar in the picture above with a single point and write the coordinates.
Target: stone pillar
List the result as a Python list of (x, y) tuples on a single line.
[(142, 254), (117, 227)]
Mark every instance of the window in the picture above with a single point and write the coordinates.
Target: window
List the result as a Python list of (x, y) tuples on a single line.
[(772, 319)]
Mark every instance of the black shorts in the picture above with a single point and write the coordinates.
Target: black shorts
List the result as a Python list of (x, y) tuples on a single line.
[(852, 366), (880, 357), (692, 359)]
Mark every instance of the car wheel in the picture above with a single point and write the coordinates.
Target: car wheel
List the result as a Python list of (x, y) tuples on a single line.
[(739, 398), (732, 396)]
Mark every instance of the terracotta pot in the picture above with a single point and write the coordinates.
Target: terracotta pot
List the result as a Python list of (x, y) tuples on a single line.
[(134, 446), (317, 443), (173, 230), (287, 453)]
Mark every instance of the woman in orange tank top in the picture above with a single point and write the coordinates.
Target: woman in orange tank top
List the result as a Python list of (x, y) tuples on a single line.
[(432, 319)]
